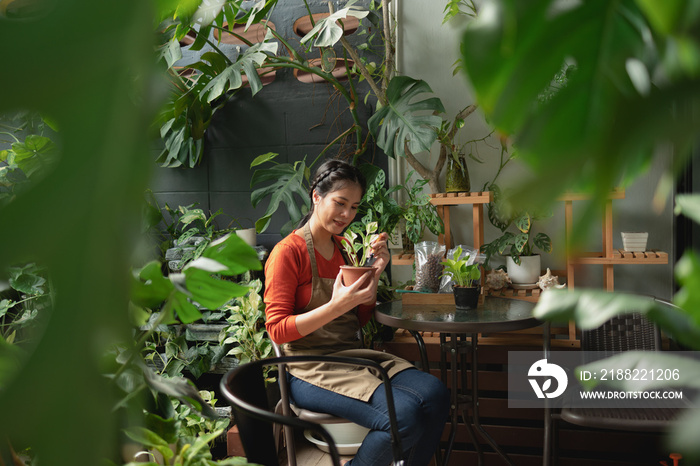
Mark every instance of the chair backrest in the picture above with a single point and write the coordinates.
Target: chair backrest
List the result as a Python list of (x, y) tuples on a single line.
[(244, 389), (622, 333)]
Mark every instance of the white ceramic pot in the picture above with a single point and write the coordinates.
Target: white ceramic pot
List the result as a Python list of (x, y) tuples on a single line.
[(248, 235), (527, 273), (634, 242), (347, 436)]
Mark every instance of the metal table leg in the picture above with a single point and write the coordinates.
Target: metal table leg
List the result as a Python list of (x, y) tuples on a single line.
[(425, 366), (457, 349), (475, 403)]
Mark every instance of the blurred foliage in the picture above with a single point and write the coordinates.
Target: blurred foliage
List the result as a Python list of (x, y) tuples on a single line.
[(80, 219), (634, 86), (636, 67)]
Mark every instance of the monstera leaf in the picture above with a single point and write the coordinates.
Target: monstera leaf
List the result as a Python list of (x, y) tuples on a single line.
[(403, 120), (328, 31), (231, 77), (287, 180)]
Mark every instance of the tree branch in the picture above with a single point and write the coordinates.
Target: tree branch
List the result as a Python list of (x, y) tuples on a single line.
[(389, 46)]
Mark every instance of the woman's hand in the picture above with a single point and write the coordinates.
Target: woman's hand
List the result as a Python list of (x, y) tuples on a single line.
[(347, 297), (380, 249)]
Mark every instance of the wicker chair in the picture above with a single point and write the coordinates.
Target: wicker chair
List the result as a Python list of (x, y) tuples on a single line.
[(631, 332)]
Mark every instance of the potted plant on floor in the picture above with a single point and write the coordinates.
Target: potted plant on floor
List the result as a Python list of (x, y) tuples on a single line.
[(522, 263), (465, 277), (357, 245)]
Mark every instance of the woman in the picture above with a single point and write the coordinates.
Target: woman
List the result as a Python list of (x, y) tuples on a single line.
[(310, 311)]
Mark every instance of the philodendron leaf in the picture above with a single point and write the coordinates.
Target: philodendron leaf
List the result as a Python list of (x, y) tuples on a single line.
[(180, 388), (232, 252), (688, 205), (209, 291), (688, 275), (590, 309), (149, 287), (403, 119), (149, 439), (260, 159)]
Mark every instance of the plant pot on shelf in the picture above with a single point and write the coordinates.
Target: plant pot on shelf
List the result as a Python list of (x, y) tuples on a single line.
[(466, 297), (525, 274), (350, 274), (457, 176), (634, 242), (248, 235)]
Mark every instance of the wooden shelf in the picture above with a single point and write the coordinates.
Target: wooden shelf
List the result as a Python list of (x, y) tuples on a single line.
[(620, 256), (402, 259), (614, 194), (526, 295), (483, 197)]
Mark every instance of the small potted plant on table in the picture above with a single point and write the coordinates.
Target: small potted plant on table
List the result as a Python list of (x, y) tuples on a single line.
[(465, 279), (357, 245)]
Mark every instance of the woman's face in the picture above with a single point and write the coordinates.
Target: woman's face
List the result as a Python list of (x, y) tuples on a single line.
[(337, 209)]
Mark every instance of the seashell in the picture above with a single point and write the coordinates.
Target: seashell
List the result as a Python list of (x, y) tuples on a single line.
[(548, 280), (497, 279)]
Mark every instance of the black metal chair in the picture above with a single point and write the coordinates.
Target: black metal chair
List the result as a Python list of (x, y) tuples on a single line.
[(244, 389), (287, 408), (630, 332)]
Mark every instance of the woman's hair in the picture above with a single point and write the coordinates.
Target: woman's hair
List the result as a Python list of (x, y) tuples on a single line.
[(330, 177)]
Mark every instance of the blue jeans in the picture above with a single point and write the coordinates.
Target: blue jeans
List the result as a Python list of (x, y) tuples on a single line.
[(422, 406)]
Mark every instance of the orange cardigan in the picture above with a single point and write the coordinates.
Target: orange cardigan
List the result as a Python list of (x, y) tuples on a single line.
[(288, 286)]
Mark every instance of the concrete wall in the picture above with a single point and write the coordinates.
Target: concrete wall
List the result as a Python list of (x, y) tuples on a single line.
[(293, 119)]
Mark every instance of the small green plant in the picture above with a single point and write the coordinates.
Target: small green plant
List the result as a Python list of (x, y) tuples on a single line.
[(419, 213), (192, 422), (246, 329), (378, 205), (358, 251), (22, 302), (460, 271)]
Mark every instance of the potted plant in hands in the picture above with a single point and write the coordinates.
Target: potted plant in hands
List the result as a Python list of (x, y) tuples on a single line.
[(358, 245), (465, 278), (522, 264)]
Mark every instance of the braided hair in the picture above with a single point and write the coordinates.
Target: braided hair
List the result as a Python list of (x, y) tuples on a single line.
[(331, 176)]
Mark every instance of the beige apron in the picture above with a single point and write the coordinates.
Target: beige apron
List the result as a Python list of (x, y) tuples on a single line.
[(341, 337)]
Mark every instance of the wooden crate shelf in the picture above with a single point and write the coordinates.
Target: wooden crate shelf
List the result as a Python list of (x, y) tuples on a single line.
[(620, 257), (479, 197), (532, 295)]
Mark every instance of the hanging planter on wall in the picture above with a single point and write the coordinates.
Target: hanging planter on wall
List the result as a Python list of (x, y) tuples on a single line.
[(255, 33), (189, 38), (338, 71), (303, 26)]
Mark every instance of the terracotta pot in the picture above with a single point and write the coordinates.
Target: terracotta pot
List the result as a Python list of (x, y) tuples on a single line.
[(351, 274), (466, 297)]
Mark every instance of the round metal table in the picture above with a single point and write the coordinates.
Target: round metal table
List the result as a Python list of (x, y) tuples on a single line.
[(492, 316)]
